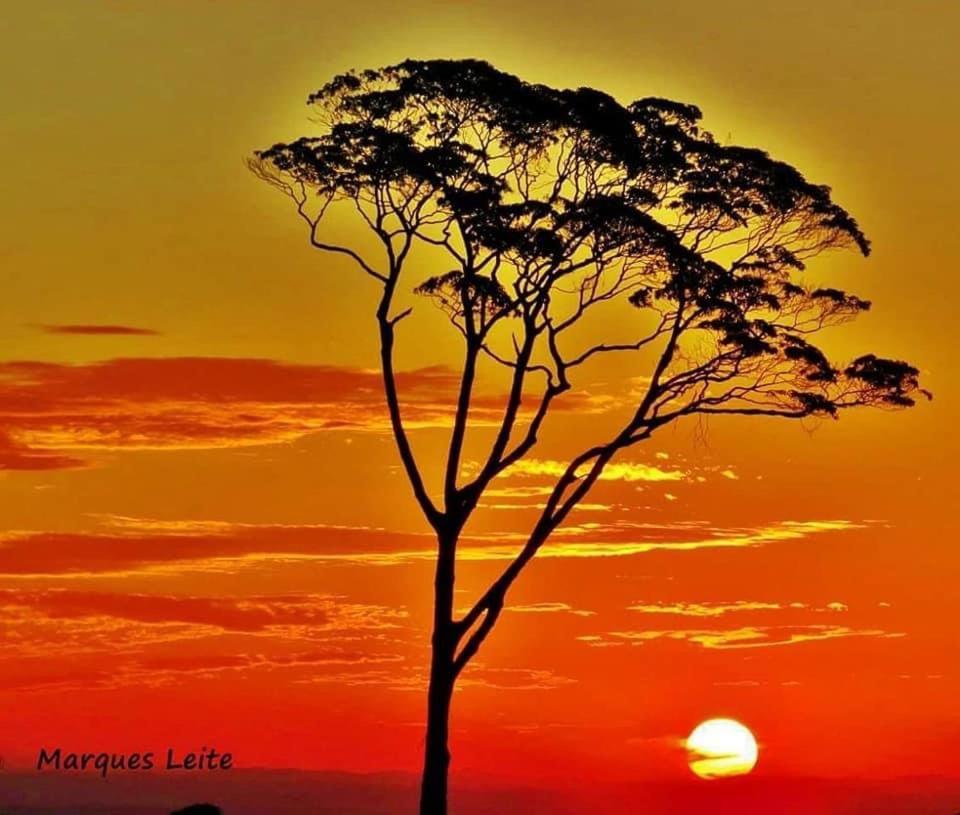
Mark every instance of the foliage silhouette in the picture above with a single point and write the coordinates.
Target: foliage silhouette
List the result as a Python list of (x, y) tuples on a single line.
[(547, 205), (199, 809)]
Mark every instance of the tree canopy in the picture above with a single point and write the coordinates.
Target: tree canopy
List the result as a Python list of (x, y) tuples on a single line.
[(536, 192)]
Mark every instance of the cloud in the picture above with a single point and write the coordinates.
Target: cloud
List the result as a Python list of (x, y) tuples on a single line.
[(617, 471), (205, 664), (550, 608), (749, 637), (199, 402), (209, 402), (246, 614), (513, 678), (526, 491), (17, 456), (704, 609), (623, 539), (792, 627), (685, 609), (122, 330), (411, 678), (583, 506), (596, 641), (52, 623), (130, 545), (158, 670)]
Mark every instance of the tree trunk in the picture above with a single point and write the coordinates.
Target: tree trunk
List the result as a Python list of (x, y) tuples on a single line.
[(436, 759)]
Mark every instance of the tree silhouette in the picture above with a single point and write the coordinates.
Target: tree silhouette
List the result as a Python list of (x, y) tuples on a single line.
[(547, 205)]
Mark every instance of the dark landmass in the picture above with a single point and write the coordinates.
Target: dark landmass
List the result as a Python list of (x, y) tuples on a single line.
[(292, 792)]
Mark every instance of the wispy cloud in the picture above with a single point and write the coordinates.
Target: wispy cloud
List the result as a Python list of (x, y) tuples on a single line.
[(616, 471), (130, 545), (15, 455), (550, 608), (685, 609), (623, 539), (410, 678), (59, 621), (746, 637), (514, 678), (98, 329), (704, 609), (117, 670), (209, 402), (249, 614), (517, 491)]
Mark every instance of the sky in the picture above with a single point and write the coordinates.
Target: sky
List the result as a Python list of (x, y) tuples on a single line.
[(205, 536)]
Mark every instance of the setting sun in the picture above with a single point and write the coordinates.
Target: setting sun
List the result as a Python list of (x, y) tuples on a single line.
[(719, 748)]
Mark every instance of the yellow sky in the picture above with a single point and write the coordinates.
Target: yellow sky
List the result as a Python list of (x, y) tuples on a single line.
[(136, 117)]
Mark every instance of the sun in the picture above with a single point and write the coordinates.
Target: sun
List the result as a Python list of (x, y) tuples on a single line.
[(720, 748)]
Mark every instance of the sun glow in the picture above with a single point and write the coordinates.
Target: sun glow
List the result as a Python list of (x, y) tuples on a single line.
[(720, 748)]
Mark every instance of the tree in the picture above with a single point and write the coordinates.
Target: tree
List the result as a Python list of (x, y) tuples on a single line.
[(548, 205)]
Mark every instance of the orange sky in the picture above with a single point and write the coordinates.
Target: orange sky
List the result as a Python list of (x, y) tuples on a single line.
[(206, 536)]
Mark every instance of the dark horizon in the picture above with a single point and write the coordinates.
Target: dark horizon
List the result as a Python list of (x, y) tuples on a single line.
[(296, 792)]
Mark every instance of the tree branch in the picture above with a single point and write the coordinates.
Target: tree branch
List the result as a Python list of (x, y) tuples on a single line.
[(386, 325)]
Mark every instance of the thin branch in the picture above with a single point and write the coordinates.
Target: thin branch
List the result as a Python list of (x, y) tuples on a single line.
[(386, 325), (327, 247)]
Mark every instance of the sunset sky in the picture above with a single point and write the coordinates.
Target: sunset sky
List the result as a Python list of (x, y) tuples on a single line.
[(205, 536)]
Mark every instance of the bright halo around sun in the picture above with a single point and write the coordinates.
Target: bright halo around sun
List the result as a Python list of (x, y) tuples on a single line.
[(720, 748)]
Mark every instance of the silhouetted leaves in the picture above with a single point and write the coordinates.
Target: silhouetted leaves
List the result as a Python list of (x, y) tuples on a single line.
[(565, 198), (454, 291), (886, 380)]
